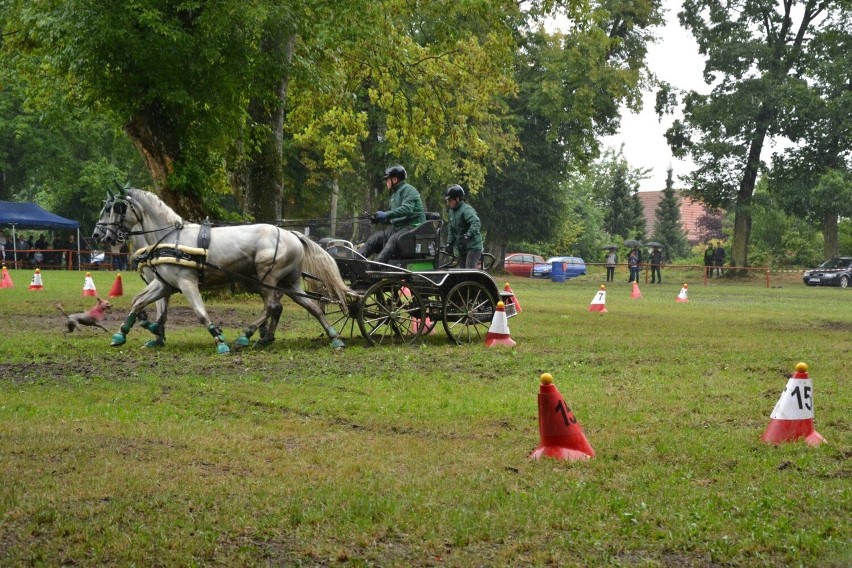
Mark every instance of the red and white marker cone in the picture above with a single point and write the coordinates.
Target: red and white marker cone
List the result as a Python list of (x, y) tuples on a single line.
[(599, 301), (35, 283), (6, 282), (683, 295), (792, 418), (498, 333), (561, 436), (635, 293), (514, 299), (89, 286), (117, 287)]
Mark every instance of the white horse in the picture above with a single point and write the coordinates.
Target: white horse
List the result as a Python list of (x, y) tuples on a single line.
[(268, 259)]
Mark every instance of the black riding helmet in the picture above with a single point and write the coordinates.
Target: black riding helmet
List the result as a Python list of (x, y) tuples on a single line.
[(454, 192), (396, 171)]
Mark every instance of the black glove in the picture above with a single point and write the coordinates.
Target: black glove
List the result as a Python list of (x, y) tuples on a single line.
[(466, 241), (449, 250)]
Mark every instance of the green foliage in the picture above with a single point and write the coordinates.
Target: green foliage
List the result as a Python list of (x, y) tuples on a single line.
[(764, 64), (64, 161), (668, 228)]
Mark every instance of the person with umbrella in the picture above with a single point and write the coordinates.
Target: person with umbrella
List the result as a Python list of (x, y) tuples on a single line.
[(634, 259), (611, 261)]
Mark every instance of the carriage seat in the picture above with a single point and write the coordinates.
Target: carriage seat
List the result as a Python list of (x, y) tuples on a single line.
[(422, 241)]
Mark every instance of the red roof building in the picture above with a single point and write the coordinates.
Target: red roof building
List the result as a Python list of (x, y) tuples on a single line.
[(690, 212)]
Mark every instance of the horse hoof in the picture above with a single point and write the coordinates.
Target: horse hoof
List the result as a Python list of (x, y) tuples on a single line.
[(263, 342), (154, 343), (118, 339), (242, 341), (223, 349), (337, 343)]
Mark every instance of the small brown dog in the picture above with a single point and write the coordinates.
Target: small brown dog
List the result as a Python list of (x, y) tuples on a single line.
[(90, 318)]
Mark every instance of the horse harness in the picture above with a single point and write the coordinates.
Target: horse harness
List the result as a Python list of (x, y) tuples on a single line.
[(161, 253)]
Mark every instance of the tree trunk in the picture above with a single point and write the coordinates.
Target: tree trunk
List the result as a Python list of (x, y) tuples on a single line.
[(831, 247), (335, 192), (159, 152), (742, 217), (264, 178)]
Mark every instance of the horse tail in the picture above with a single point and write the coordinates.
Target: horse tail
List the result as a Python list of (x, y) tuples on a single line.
[(321, 264)]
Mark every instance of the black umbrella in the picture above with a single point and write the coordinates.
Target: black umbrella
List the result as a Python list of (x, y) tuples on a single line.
[(655, 244), (632, 243)]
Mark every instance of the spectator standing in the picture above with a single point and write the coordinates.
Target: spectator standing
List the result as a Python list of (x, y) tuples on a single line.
[(709, 260), (656, 263), (465, 228), (2, 245), (611, 261), (719, 258), (633, 266)]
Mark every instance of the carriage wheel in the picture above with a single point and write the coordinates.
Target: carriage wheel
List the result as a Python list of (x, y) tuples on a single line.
[(390, 313), (342, 318), (468, 311)]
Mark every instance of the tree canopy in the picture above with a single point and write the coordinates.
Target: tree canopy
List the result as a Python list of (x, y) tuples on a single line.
[(762, 65)]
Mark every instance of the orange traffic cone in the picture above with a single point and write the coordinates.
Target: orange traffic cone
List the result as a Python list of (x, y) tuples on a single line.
[(683, 296), (635, 293), (117, 288), (89, 286), (35, 283), (792, 418), (513, 299), (498, 333), (599, 301), (561, 436), (6, 282)]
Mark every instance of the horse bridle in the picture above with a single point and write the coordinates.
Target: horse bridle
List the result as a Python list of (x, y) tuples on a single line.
[(120, 205)]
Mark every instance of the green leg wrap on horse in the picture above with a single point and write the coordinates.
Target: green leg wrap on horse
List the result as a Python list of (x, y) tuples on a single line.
[(128, 323), (336, 342)]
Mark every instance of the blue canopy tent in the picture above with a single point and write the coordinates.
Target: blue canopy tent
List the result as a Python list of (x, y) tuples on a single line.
[(31, 216)]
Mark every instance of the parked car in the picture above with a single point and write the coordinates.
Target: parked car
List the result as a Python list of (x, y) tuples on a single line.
[(521, 263), (834, 272), (573, 266)]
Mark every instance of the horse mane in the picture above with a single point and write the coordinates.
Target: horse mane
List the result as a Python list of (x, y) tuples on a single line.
[(152, 203)]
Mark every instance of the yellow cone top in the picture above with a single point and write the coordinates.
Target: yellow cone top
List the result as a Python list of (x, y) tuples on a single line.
[(501, 306), (546, 379), (38, 271), (118, 275), (603, 287), (685, 285), (801, 367), (88, 274)]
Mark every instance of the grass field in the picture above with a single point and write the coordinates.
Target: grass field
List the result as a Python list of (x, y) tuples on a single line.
[(417, 456)]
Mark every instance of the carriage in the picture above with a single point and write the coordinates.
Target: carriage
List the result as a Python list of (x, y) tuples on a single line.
[(391, 303), (403, 300)]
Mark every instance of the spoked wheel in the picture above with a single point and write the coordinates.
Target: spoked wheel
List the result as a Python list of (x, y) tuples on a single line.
[(468, 311), (390, 314), (342, 318)]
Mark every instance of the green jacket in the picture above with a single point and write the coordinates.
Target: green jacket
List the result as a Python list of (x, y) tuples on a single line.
[(406, 208), (464, 222)]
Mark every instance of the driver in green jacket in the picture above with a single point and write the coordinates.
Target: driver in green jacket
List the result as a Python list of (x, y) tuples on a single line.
[(465, 229), (406, 212)]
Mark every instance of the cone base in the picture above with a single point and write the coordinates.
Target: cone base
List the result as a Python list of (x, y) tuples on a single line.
[(492, 339), (781, 431), (682, 301), (37, 288), (600, 309), (558, 452), (90, 293)]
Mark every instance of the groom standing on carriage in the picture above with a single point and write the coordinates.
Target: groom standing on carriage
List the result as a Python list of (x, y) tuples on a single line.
[(406, 212)]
